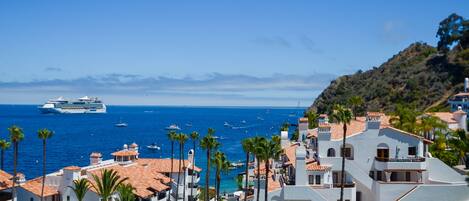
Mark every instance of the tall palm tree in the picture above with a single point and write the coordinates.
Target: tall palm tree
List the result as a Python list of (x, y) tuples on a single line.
[(44, 134), (221, 164), (208, 143), (257, 151), (460, 143), (342, 115), (312, 119), (172, 136), (194, 138), (126, 192), (427, 126), (248, 147), (405, 118), (4, 145), (181, 138), (269, 150), (80, 187), (355, 102), (16, 136), (106, 184)]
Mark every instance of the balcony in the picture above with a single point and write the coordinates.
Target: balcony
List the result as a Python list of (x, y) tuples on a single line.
[(411, 163), (346, 185)]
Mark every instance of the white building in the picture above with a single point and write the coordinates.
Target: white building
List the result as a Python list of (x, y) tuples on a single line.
[(455, 120), (151, 178), (382, 164), (461, 99)]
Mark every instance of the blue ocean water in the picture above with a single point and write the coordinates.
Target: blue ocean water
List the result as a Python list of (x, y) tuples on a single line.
[(77, 135)]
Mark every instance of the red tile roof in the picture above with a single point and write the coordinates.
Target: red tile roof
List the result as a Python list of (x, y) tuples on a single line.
[(6, 180), (125, 153), (34, 186)]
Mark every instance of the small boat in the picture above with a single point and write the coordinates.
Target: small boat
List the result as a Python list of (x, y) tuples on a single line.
[(153, 146), (173, 127), (121, 124), (260, 118), (216, 137), (189, 124), (243, 121), (226, 124)]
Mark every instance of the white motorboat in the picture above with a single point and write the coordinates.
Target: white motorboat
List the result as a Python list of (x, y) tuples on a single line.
[(173, 127)]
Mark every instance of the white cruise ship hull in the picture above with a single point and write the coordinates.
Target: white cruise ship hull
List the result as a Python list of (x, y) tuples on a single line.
[(71, 111), (84, 105)]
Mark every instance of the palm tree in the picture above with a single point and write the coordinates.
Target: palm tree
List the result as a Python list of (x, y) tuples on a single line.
[(208, 143), (269, 150), (257, 151), (427, 126), (405, 118), (248, 147), (106, 184), (44, 134), (194, 138), (312, 119), (221, 164), (355, 102), (126, 192), (172, 138), (4, 145), (80, 188), (16, 136), (342, 115), (460, 143), (181, 138)]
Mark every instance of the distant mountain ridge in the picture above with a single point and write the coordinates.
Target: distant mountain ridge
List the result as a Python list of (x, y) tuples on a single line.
[(416, 76)]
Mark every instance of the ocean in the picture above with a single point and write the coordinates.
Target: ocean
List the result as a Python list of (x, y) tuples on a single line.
[(77, 135)]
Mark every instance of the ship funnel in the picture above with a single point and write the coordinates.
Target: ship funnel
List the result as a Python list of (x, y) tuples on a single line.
[(466, 84)]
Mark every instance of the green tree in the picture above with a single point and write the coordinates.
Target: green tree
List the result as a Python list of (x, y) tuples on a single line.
[(221, 164), (295, 135), (16, 136), (460, 143), (194, 138), (269, 149), (106, 184), (312, 119), (126, 192), (172, 136), (405, 118), (208, 143), (342, 115), (451, 31), (355, 102), (181, 138), (4, 145), (80, 187), (257, 151), (248, 147), (44, 134), (285, 126)]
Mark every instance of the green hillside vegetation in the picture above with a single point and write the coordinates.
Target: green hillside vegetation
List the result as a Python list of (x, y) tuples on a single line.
[(420, 76)]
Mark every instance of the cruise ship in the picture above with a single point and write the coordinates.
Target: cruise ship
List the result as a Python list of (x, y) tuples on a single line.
[(81, 106)]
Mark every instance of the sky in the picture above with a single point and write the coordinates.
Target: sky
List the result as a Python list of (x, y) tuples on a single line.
[(204, 53)]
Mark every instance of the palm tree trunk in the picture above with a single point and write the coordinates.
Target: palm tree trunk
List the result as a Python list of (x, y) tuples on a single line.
[(15, 161), (266, 180), (43, 168), (246, 187), (172, 158), (193, 168), (218, 186), (342, 176), (207, 176), (179, 172), (258, 178), (3, 158), (217, 174), (184, 176)]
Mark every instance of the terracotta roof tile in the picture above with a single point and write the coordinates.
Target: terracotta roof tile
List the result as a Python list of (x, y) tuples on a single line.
[(314, 166), (5, 180), (34, 186), (125, 153), (303, 120), (72, 168), (444, 116)]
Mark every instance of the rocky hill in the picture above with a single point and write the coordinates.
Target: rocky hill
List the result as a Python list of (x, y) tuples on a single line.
[(416, 76)]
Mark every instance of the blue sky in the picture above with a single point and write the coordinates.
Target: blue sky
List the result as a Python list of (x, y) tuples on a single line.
[(201, 52)]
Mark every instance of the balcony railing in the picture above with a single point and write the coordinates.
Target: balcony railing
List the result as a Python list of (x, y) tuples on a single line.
[(414, 159), (346, 185)]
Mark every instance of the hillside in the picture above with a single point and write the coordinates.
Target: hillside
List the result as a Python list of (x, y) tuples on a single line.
[(417, 76)]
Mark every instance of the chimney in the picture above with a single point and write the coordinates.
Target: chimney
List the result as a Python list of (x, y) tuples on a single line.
[(324, 131), (461, 117), (190, 155), (466, 84), (20, 178), (373, 120), (303, 125), (300, 167), (133, 147), (95, 158), (284, 140)]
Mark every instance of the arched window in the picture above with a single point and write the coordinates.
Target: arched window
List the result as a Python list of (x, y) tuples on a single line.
[(347, 151), (382, 151), (331, 152)]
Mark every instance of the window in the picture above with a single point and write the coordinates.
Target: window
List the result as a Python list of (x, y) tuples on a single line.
[(372, 174), (382, 153), (68, 198), (347, 151), (331, 152), (311, 179), (318, 179), (32, 199), (412, 151), (407, 176), (393, 176), (379, 175), (358, 196)]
